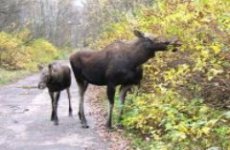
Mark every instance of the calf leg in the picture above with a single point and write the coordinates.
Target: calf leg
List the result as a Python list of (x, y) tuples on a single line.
[(55, 105), (122, 96), (110, 94), (82, 88), (70, 107), (52, 101)]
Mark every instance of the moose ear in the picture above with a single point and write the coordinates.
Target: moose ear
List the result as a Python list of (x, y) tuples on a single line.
[(50, 67), (138, 34), (40, 67)]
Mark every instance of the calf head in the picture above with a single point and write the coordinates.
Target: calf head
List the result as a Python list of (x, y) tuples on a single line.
[(45, 75), (156, 43)]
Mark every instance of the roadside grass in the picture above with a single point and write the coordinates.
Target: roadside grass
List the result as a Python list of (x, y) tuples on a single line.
[(8, 76)]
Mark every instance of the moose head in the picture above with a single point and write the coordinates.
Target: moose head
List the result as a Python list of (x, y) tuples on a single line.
[(156, 43)]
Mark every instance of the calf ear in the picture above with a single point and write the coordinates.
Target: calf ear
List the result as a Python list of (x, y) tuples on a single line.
[(50, 67), (40, 67), (138, 34)]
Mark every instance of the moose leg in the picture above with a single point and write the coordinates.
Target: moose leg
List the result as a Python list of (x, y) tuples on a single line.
[(52, 102), (70, 106), (110, 94), (122, 96), (82, 88), (55, 105)]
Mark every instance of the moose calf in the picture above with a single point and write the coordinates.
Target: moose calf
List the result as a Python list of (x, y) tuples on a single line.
[(56, 77)]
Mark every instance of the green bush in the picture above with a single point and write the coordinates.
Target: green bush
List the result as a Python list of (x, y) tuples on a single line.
[(13, 54), (176, 122), (41, 51), (18, 53), (173, 110)]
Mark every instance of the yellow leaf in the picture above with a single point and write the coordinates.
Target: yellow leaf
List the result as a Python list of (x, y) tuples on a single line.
[(216, 49), (182, 127), (206, 130)]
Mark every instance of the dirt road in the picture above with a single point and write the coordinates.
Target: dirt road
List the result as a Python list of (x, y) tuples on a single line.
[(25, 120)]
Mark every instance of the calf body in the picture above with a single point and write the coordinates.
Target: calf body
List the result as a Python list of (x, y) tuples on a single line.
[(56, 77), (117, 64)]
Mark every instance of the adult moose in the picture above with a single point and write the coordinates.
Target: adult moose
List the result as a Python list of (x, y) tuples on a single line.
[(117, 64)]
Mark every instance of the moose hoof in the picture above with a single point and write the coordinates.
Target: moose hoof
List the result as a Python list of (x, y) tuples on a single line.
[(70, 115), (56, 123), (109, 127), (85, 126), (120, 126), (52, 118)]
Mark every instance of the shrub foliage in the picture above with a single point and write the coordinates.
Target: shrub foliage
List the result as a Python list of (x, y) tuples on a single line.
[(18, 52), (181, 93)]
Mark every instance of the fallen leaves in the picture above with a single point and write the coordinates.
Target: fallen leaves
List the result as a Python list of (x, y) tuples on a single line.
[(98, 109)]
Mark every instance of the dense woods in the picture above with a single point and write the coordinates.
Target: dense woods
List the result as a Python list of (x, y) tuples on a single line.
[(68, 22), (49, 19), (184, 99)]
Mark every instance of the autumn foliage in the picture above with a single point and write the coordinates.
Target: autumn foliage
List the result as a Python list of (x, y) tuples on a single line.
[(18, 52), (185, 96)]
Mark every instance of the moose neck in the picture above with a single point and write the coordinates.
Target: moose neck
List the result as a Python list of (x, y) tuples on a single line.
[(141, 54)]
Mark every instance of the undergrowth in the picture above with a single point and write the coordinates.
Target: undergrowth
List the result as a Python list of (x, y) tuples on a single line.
[(185, 96)]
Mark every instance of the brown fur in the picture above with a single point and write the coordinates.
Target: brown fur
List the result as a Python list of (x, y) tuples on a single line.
[(56, 77), (117, 64)]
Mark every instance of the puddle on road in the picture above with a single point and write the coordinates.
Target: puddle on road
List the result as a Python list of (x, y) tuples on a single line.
[(9, 110), (17, 109)]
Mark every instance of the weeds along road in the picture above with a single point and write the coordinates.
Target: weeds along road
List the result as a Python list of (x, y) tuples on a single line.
[(25, 120)]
